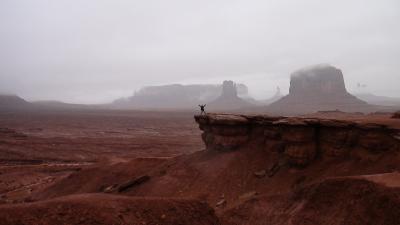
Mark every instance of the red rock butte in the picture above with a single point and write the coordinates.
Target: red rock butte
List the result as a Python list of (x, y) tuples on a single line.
[(318, 88)]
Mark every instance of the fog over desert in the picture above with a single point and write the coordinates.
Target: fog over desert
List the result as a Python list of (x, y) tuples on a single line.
[(199, 112)]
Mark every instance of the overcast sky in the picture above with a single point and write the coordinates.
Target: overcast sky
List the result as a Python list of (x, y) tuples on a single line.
[(93, 51)]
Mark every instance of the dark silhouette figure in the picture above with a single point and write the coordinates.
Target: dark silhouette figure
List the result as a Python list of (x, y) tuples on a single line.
[(202, 108)]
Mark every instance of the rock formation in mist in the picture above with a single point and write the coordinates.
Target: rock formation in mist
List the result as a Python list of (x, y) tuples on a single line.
[(13, 101), (378, 100), (229, 99), (175, 96), (278, 95), (318, 88), (321, 79)]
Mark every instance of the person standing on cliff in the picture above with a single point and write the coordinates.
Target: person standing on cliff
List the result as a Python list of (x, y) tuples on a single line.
[(202, 109)]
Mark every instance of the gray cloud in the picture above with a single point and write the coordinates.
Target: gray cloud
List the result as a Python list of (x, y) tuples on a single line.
[(95, 51)]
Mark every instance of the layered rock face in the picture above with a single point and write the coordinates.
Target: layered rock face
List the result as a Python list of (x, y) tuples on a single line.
[(228, 100), (297, 140), (318, 88)]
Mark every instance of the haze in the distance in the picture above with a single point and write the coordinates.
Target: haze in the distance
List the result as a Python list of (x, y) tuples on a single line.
[(95, 51)]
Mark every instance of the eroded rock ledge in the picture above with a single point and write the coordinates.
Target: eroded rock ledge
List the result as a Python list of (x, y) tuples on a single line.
[(299, 140)]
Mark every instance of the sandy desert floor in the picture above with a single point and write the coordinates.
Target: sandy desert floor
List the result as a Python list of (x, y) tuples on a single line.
[(38, 148), (138, 167)]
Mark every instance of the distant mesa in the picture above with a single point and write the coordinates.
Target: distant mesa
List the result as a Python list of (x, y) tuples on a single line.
[(318, 88), (322, 79), (175, 96), (228, 100), (378, 100), (14, 102), (8, 101)]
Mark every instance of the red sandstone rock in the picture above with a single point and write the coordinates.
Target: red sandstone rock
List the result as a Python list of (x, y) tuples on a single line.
[(299, 139)]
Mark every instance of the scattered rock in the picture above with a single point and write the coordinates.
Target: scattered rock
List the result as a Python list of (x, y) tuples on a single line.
[(248, 195), (110, 189), (274, 169), (221, 203), (260, 174), (132, 183)]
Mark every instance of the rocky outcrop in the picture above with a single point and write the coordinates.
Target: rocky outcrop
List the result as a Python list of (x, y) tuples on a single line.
[(396, 115), (228, 100), (318, 88), (297, 140)]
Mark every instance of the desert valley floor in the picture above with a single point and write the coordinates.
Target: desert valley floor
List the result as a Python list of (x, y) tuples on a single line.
[(139, 167), (37, 148)]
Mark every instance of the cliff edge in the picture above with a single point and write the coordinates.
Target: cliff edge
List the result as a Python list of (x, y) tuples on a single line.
[(297, 140)]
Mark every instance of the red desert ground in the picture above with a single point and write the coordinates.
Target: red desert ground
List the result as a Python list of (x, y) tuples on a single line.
[(316, 156)]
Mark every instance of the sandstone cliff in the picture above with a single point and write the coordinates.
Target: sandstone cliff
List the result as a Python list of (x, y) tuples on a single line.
[(298, 141)]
